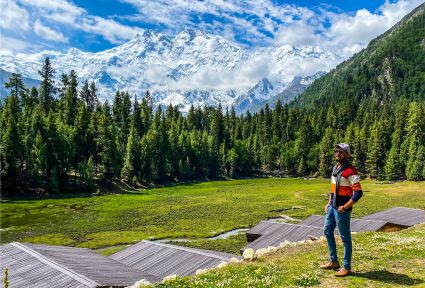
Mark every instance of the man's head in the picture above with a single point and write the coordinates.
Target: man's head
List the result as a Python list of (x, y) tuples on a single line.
[(342, 151)]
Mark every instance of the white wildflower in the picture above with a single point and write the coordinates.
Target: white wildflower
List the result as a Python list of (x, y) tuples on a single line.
[(222, 264), (260, 252), (169, 277), (282, 245), (201, 271), (235, 260), (271, 248), (140, 283)]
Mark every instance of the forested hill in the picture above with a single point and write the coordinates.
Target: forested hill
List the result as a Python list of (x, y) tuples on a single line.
[(391, 68)]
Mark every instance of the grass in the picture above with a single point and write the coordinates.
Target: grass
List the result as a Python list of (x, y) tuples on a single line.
[(380, 259), (183, 211)]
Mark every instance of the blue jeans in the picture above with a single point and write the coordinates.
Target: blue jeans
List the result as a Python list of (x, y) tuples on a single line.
[(334, 218)]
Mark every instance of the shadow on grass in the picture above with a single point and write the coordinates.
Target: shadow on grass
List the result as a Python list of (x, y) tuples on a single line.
[(388, 277)]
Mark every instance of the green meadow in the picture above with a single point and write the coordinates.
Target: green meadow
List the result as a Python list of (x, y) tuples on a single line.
[(193, 211)]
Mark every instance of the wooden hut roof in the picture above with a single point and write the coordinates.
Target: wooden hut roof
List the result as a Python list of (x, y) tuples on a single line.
[(399, 216), (162, 260), (276, 233), (357, 225), (33, 265)]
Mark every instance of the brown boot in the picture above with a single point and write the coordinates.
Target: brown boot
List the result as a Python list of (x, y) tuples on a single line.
[(343, 272), (330, 265)]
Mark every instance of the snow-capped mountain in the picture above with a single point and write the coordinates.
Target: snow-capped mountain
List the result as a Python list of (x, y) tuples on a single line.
[(193, 67), (263, 93)]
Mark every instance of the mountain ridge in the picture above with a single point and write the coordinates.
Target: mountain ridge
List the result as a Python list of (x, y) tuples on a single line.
[(194, 67)]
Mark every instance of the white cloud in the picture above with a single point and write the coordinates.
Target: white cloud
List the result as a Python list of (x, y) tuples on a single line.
[(13, 17), (48, 33), (11, 45), (62, 13), (248, 19), (299, 33), (346, 34), (240, 79), (55, 5), (111, 30)]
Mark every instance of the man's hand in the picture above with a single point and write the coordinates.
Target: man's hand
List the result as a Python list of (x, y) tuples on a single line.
[(326, 208), (341, 209)]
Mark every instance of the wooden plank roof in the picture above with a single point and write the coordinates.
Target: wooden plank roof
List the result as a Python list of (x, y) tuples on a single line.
[(162, 260), (399, 216), (276, 233), (273, 233), (357, 225), (32, 265)]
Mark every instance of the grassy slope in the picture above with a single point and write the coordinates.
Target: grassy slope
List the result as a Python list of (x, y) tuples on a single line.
[(394, 259), (196, 211)]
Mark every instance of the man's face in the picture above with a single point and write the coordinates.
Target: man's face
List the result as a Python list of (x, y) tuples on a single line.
[(340, 154)]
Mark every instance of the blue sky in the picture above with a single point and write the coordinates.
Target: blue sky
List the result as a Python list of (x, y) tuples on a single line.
[(31, 26)]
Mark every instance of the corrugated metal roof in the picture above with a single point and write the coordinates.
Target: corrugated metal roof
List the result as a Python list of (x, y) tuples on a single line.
[(264, 227), (357, 225), (162, 260), (32, 265), (276, 233), (399, 216), (27, 270), (273, 233)]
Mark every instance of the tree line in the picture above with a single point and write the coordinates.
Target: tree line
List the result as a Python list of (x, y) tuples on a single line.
[(50, 143)]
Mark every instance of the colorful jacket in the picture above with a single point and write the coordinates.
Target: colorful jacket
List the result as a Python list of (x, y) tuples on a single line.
[(349, 186)]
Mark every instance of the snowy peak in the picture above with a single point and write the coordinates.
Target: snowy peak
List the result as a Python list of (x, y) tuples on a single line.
[(261, 90), (188, 35), (192, 67)]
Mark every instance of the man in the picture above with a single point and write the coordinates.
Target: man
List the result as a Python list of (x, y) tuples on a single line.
[(345, 192)]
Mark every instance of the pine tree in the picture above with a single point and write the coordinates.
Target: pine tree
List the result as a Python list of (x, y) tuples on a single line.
[(71, 100), (414, 138), (137, 115), (132, 159), (16, 86), (106, 142), (90, 180), (231, 160), (376, 150), (47, 85), (392, 165), (93, 101), (39, 151), (53, 147), (85, 95), (82, 135), (416, 169), (11, 143), (64, 81), (326, 153)]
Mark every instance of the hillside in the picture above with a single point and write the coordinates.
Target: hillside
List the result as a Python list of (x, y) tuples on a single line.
[(380, 260), (392, 67)]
